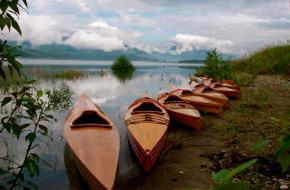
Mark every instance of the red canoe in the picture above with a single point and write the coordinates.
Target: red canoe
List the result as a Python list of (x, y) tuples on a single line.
[(211, 94), (181, 110), (199, 102), (147, 123)]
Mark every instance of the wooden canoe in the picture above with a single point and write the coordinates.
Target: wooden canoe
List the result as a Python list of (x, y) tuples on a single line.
[(180, 110), (211, 94), (94, 141), (208, 81), (147, 123), (224, 83), (229, 92), (199, 102)]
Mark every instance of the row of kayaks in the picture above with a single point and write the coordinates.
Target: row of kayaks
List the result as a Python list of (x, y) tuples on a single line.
[(95, 141)]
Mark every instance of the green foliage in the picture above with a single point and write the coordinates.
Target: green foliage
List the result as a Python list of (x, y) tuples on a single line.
[(217, 67), (198, 73), (9, 9), (69, 74), (123, 68), (123, 64), (224, 177), (272, 59), (59, 99), (245, 79), (26, 113), (8, 57), (256, 100), (228, 131), (26, 119), (283, 138)]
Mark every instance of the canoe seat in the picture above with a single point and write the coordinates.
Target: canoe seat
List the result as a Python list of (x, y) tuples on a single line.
[(147, 118), (180, 106), (90, 119), (155, 112)]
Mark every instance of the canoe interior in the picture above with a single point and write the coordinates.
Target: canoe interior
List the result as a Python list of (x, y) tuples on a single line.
[(90, 117), (186, 92), (147, 107), (173, 99)]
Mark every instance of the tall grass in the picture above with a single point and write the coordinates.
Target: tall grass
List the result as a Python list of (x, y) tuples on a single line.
[(69, 74), (270, 60)]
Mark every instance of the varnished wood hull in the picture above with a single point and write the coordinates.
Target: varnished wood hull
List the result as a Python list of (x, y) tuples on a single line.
[(232, 86), (216, 97), (193, 122), (95, 149), (228, 92), (212, 107), (146, 131), (146, 160), (201, 103), (211, 94), (180, 110)]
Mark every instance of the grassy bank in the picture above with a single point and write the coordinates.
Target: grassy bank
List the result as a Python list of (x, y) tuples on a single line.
[(272, 59)]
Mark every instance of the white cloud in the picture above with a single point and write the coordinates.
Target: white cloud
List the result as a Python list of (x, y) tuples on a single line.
[(189, 42), (102, 25), (97, 35), (94, 40), (40, 29), (234, 27)]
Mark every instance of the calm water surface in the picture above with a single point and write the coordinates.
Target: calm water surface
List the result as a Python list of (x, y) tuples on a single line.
[(113, 96)]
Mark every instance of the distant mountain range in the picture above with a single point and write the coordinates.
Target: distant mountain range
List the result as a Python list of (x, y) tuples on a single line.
[(60, 51)]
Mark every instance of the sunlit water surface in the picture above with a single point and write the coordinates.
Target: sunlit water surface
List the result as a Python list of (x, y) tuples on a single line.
[(113, 96)]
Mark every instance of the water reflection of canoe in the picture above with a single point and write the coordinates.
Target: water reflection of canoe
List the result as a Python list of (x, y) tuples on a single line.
[(211, 94), (95, 143), (180, 110), (147, 123), (199, 102)]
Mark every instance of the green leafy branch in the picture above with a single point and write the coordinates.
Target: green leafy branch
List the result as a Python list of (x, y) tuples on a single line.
[(32, 118)]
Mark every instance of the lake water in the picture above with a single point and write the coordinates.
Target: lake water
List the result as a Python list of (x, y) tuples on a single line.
[(113, 95)]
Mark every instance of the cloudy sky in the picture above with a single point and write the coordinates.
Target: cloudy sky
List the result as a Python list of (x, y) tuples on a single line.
[(237, 27)]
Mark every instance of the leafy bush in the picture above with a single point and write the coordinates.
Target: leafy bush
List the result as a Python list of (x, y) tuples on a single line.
[(123, 64), (217, 67), (59, 99), (123, 68)]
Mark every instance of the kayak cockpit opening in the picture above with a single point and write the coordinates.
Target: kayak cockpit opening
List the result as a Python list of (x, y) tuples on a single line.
[(173, 98), (186, 92), (147, 107), (90, 118), (208, 89)]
